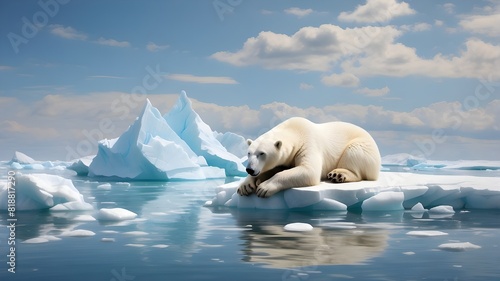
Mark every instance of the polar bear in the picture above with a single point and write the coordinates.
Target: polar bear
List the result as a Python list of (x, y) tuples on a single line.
[(299, 152)]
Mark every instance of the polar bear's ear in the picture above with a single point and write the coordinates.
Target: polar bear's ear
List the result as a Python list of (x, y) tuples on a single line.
[(278, 144), (249, 141)]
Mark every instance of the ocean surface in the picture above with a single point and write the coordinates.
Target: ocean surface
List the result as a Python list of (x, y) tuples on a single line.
[(175, 237)]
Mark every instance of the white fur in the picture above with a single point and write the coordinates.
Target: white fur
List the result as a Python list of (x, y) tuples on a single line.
[(299, 152)]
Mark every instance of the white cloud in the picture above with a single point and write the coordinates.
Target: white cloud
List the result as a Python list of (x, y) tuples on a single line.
[(305, 86), (152, 47), (438, 23), (201, 79), (374, 92), (486, 23), (342, 80), (298, 12), (67, 32), (112, 42), (64, 120), (266, 12), (449, 8), (310, 48), (6, 68), (377, 11)]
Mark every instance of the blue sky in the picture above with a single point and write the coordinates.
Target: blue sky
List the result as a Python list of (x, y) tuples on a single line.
[(422, 76)]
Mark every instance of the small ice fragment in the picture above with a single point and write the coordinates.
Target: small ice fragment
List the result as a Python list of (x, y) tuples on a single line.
[(104, 239), (135, 245), (78, 233), (409, 253), (443, 209), (109, 231), (458, 247), (418, 208), (298, 226), (136, 233), (36, 240), (339, 225), (126, 184), (115, 214), (160, 246), (426, 233), (84, 218), (105, 186)]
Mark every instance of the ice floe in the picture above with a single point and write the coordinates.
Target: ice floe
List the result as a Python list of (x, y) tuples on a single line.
[(115, 214), (392, 191), (43, 191)]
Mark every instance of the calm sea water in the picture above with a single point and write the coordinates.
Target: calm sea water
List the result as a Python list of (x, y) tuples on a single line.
[(176, 238)]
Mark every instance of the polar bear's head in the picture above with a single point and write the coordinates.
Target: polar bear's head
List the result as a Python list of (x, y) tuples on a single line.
[(263, 155)]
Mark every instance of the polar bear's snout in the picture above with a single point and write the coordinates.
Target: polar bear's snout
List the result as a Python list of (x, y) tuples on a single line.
[(251, 171)]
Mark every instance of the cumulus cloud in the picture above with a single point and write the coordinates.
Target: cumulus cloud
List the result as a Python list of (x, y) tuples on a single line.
[(486, 23), (298, 12), (377, 11), (449, 8), (65, 120), (342, 80), (112, 42), (201, 79), (418, 27), (374, 92), (152, 47), (67, 32)]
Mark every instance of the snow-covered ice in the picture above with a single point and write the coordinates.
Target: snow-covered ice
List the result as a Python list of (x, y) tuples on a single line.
[(421, 164), (22, 158), (200, 137), (78, 233), (81, 166), (43, 191), (392, 191), (177, 146), (298, 226), (115, 214)]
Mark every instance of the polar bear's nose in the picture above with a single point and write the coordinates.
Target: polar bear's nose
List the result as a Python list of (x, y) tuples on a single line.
[(250, 171)]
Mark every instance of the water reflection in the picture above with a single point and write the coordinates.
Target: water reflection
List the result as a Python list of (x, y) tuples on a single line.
[(334, 240)]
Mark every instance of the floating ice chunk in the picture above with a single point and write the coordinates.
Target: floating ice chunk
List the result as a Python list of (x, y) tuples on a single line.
[(442, 210), (41, 239), (81, 166), (104, 186), (392, 191), (73, 206), (458, 247), (136, 233), (200, 137), (401, 159), (298, 226), (124, 184), (409, 253), (41, 191), (84, 218), (384, 201), (339, 225), (106, 239), (22, 158), (135, 245), (426, 233), (115, 214), (418, 208), (16, 166), (78, 233), (160, 246)]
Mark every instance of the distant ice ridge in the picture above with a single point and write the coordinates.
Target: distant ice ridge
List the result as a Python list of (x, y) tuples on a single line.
[(43, 191), (391, 192), (21, 161), (178, 146), (420, 164)]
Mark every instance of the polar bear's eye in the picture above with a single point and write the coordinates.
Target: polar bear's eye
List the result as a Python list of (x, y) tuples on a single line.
[(262, 154)]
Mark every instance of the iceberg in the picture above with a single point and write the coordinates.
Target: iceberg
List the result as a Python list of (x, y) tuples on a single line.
[(200, 137), (421, 164), (22, 158), (391, 192), (43, 191), (233, 143), (81, 166), (150, 150)]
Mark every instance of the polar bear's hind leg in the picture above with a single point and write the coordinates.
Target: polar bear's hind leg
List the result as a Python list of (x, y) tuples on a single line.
[(359, 161)]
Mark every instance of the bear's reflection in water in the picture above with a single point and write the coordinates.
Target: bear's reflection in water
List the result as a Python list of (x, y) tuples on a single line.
[(331, 242)]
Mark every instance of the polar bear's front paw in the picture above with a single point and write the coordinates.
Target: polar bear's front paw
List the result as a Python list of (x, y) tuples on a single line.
[(266, 189), (336, 176), (246, 188)]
